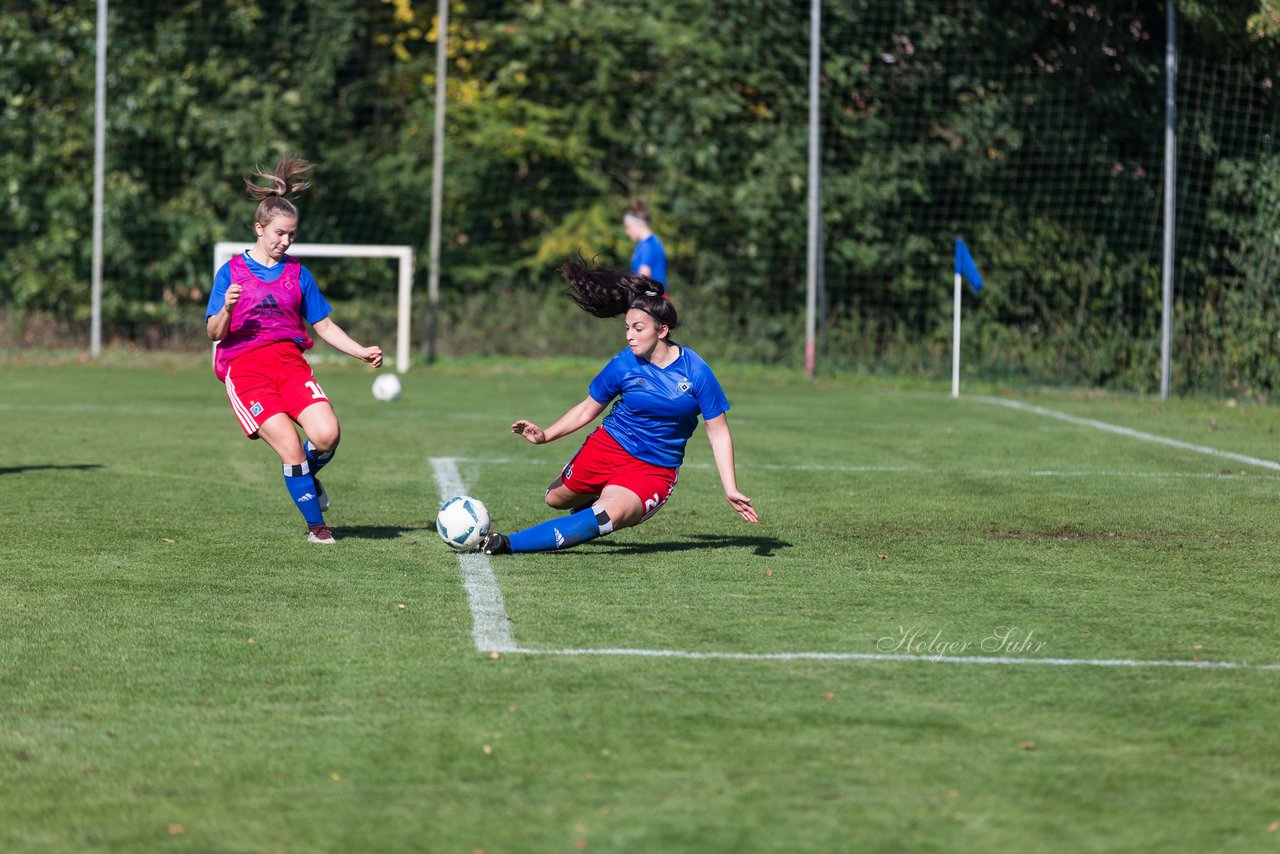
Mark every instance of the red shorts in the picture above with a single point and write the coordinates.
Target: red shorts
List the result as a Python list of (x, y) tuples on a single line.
[(602, 462), (269, 380)]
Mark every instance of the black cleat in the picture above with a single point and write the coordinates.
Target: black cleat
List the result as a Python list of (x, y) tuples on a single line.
[(495, 544)]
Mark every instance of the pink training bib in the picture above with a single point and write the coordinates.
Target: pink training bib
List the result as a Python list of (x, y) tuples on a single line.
[(266, 312)]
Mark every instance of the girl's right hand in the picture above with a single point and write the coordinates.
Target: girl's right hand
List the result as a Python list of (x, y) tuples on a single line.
[(530, 431), (232, 296)]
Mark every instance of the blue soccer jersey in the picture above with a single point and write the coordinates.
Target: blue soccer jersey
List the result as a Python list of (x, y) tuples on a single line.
[(650, 251), (657, 409)]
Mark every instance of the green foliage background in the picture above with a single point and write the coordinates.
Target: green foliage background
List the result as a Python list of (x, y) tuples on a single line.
[(1032, 127)]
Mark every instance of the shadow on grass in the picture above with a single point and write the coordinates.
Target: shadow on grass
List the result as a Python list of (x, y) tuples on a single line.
[(74, 466), (380, 532), (761, 546)]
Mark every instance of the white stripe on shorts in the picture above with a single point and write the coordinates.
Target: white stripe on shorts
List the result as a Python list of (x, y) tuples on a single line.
[(247, 420)]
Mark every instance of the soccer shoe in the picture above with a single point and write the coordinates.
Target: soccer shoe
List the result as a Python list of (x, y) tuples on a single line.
[(322, 497), (320, 534), (495, 544)]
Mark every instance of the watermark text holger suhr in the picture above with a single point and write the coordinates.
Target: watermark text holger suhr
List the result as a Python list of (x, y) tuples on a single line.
[(1003, 640)]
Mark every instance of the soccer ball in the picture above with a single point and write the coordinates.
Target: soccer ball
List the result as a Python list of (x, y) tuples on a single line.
[(386, 387), (462, 522)]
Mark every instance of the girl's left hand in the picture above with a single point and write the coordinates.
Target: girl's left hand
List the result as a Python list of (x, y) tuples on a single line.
[(742, 504)]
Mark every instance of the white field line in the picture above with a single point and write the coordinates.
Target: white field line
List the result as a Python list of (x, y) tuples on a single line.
[(884, 656), (857, 469), (1132, 434), (131, 409), (109, 408), (491, 627)]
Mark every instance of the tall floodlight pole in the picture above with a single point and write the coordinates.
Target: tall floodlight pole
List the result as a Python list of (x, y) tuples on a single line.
[(437, 177), (99, 170), (1170, 186), (815, 191)]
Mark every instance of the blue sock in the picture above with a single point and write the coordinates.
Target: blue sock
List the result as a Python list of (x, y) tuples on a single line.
[(302, 487), (561, 533), (317, 460)]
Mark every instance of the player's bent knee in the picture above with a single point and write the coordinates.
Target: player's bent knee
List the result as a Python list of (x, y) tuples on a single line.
[(558, 502), (325, 442), (617, 517), (560, 497)]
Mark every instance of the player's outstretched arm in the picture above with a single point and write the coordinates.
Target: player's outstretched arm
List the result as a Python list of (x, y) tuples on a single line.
[(336, 338), (722, 449), (575, 419)]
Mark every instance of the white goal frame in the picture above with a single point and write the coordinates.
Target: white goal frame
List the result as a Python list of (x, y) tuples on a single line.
[(223, 251)]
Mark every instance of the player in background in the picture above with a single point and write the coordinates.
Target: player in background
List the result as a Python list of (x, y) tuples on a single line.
[(627, 468), (649, 258), (257, 310)]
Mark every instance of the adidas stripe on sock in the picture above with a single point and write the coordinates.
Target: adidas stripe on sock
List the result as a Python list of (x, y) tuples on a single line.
[(301, 484)]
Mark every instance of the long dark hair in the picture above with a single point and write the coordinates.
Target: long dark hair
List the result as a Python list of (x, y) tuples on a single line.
[(608, 292)]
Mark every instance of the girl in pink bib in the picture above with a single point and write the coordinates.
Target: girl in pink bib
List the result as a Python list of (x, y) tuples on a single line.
[(258, 310)]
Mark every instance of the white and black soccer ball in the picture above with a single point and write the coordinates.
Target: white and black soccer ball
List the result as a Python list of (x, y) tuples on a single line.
[(386, 387), (462, 522)]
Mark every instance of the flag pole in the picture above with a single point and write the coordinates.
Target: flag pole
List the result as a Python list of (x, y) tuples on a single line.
[(965, 269), (955, 341)]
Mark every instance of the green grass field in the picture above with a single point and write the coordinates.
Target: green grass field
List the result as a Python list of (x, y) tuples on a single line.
[(182, 671)]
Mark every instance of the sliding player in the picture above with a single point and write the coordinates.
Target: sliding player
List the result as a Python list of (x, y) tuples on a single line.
[(627, 468)]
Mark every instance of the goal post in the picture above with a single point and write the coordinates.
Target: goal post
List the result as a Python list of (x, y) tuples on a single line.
[(223, 251)]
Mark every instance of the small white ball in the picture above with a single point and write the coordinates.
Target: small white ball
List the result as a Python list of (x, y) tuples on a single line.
[(386, 387)]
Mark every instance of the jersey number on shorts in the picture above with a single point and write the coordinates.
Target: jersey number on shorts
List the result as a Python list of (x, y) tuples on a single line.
[(317, 393)]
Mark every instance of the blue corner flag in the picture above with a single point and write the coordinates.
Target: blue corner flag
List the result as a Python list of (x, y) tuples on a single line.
[(966, 268)]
